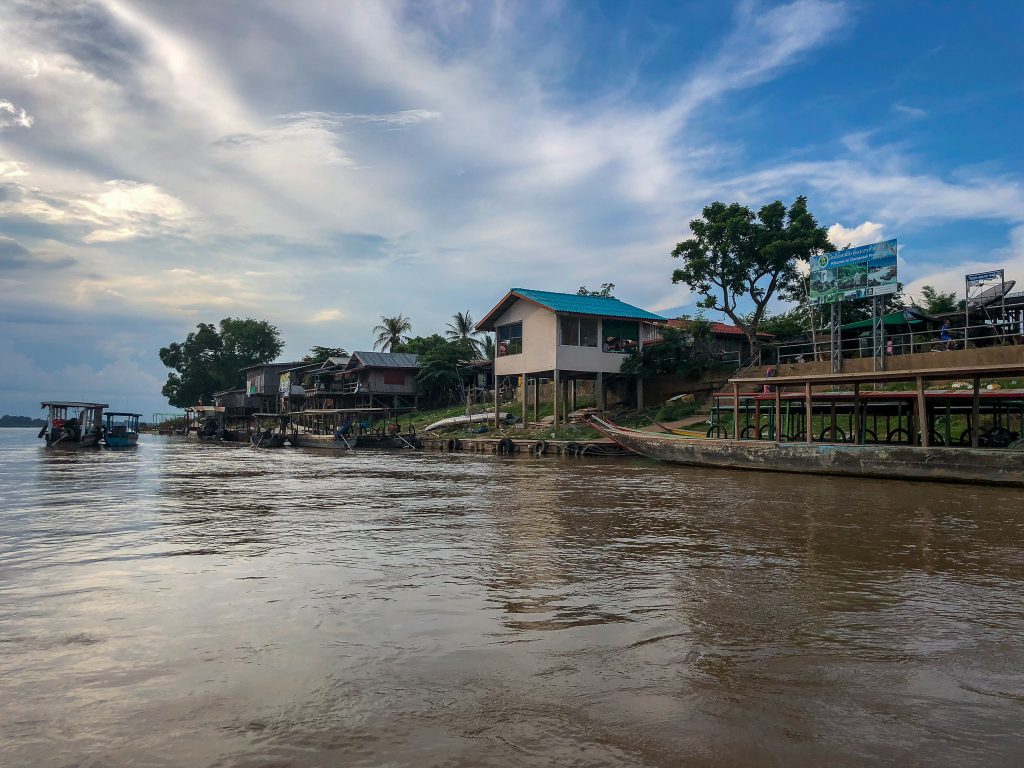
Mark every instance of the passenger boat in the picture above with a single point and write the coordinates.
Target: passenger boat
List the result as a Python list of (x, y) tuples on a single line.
[(72, 425), (990, 466), (269, 430), (121, 430), (343, 429), (207, 423)]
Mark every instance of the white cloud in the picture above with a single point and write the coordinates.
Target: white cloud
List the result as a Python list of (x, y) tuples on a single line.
[(326, 315), (11, 116), (862, 234)]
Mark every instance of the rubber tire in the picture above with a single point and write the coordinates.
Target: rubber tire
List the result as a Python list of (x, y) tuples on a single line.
[(746, 434), (539, 447), (716, 430), (766, 429), (505, 445)]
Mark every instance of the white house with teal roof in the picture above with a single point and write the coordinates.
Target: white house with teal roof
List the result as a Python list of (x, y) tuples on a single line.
[(565, 337)]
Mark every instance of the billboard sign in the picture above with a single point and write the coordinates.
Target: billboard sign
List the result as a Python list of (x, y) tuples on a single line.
[(856, 273)]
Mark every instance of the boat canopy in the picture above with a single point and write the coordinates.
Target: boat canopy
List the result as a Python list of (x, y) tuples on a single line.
[(206, 408), (893, 319), (123, 413), (71, 404)]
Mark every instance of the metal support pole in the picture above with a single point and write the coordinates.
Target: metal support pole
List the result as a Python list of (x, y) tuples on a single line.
[(557, 395), (599, 391), (836, 337)]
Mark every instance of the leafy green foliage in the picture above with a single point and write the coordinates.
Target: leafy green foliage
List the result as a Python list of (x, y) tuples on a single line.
[(938, 302), (321, 354), (684, 352), (605, 291), (676, 410), (391, 331), (211, 358), (443, 372), (421, 345), (736, 255), (786, 325)]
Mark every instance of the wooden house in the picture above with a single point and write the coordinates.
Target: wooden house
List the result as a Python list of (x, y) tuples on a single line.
[(366, 380)]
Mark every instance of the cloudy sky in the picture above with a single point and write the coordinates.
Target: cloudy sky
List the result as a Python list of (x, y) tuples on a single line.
[(318, 164)]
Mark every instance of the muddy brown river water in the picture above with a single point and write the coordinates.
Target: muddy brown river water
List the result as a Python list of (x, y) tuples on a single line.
[(198, 605)]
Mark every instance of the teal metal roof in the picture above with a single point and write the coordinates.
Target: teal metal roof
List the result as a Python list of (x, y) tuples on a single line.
[(586, 305), (891, 320)]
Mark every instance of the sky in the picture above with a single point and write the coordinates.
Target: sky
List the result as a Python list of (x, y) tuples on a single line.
[(320, 164)]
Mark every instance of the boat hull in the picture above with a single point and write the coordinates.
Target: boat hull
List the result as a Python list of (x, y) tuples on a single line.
[(121, 441), (86, 441), (330, 443), (987, 466)]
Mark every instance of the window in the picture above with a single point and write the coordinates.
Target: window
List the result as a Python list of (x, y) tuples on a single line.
[(394, 378), (578, 331), (510, 339), (621, 336)]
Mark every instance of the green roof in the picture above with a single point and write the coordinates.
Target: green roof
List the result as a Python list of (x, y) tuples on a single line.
[(605, 306), (892, 319)]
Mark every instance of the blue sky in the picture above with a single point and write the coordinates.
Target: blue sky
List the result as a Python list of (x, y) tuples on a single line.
[(320, 165)]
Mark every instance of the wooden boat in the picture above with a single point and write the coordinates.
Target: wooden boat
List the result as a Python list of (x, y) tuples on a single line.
[(72, 425), (269, 430), (121, 430), (460, 421), (991, 466), (344, 429), (207, 423)]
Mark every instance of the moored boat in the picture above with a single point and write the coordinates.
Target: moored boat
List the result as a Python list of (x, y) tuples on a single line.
[(72, 425), (991, 466), (269, 430), (121, 430), (342, 429)]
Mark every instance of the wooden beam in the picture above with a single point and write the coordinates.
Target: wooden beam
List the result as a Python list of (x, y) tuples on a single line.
[(536, 399), (735, 411), (922, 412), (778, 414), (526, 414), (847, 377), (857, 431), (497, 400), (976, 412), (808, 414)]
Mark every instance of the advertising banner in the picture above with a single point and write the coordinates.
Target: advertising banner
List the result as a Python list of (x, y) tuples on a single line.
[(856, 273)]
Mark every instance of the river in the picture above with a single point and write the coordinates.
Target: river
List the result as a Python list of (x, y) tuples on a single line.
[(205, 605)]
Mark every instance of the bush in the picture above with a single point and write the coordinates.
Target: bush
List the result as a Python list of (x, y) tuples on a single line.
[(676, 410)]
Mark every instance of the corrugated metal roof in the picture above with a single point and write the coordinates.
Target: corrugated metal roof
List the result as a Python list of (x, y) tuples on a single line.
[(385, 359), (719, 329), (605, 306)]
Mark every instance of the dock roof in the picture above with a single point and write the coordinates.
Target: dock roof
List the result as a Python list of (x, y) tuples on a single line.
[(569, 304), (73, 404)]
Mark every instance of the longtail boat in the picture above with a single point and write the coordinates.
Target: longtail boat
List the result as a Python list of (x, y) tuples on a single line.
[(121, 430), (990, 466), (72, 425)]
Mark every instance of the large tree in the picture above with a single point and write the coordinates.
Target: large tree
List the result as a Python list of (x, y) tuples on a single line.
[(210, 358), (736, 256), (938, 302), (443, 373), (391, 332)]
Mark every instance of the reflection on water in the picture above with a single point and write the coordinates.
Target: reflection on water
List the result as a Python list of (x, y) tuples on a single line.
[(190, 604)]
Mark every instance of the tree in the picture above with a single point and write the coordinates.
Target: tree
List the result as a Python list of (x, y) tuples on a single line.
[(487, 348), (210, 358), (686, 352), (391, 331), (937, 302), (605, 291), (322, 354), (736, 254), (420, 345), (462, 328), (443, 373)]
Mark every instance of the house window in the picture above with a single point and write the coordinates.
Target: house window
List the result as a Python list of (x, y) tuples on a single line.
[(621, 336), (394, 378), (510, 339), (578, 331)]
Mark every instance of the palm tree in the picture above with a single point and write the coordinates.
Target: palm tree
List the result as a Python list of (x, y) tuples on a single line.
[(391, 331), (487, 348), (461, 329)]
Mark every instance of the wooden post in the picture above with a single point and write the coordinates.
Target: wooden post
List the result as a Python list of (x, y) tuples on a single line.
[(497, 401), (536, 399), (599, 391), (735, 411), (976, 412), (572, 394), (639, 393), (557, 384), (922, 412), (808, 414), (778, 414), (857, 430), (526, 414)]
